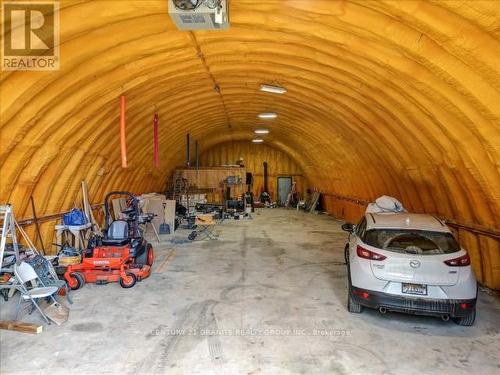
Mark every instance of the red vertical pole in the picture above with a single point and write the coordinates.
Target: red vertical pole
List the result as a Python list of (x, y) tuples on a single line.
[(155, 140), (123, 139)]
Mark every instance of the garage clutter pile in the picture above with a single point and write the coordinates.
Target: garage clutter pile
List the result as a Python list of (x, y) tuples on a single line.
[(25, 271), (87, 254)]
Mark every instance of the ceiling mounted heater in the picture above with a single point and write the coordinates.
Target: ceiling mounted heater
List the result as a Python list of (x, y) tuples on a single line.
[(199, 14)]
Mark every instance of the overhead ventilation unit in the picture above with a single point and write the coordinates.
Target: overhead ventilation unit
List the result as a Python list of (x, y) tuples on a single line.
[(199, 14)]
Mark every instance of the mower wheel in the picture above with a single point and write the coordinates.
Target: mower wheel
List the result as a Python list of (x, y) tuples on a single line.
[(129, 281), (147, 257), (77, 280), (151, 255)]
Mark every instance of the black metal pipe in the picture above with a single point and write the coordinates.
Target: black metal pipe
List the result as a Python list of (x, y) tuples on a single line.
[(197, 152), (266, 184), (37, 226), (188, 154), (51, 217)]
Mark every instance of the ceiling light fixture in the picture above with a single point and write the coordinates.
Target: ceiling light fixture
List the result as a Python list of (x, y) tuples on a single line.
[(268, 115), (257, 140), (272, 89), (261, 131)]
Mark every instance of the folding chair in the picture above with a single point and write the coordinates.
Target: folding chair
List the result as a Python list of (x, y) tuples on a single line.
[(47, 275), (205, 225), (26, 274)]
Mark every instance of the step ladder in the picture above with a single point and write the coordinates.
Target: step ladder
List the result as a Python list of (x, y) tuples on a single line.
[(8, 224), (178, 186)]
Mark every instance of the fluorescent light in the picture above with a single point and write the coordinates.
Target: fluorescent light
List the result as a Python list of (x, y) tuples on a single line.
[(261, 131), (257, 140), (268, 115), (273, 89)]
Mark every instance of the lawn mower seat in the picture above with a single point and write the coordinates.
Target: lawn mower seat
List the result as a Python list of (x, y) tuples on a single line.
[(117, 234)]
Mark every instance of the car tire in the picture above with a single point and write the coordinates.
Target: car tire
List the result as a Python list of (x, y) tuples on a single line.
[(352, 306), (466, 321)]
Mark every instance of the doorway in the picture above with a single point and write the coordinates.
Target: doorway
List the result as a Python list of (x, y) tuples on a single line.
[(284, 187)]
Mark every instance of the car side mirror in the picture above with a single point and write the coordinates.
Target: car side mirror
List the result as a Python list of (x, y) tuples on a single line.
[(348, 227)]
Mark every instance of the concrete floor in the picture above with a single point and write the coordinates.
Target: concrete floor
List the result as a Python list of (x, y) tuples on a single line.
[(267, 297)]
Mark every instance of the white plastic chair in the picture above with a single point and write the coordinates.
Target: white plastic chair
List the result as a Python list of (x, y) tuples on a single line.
[(26, 274)]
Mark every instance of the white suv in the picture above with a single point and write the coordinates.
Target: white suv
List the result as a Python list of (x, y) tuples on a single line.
[(409, 263)]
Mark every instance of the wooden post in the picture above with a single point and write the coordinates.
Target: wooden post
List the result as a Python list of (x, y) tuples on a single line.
[(20, 327)]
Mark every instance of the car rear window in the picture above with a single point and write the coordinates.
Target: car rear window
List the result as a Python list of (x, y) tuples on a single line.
[(412, 241)]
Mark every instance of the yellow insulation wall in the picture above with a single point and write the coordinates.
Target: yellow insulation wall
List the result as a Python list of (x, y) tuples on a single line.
[(384, 97)]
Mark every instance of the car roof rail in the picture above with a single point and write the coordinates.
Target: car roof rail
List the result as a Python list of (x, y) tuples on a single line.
[(439, 220)]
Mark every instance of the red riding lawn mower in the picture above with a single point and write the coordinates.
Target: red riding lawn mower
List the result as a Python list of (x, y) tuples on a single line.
[(123, 255)]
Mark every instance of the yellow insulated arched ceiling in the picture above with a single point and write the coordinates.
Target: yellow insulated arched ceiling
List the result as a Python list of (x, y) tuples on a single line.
[(384, 97)]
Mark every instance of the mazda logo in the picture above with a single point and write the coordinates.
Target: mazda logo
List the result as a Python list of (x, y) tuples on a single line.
[(414, 263)]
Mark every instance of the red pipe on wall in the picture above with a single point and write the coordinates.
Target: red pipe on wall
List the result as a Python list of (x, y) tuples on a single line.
[(155, 140), (123, 139)]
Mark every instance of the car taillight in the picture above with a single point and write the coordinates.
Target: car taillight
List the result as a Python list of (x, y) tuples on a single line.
[(367, 254), (361, 293), (462, 261)]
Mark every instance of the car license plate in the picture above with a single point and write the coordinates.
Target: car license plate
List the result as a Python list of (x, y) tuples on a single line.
[(417, 289)]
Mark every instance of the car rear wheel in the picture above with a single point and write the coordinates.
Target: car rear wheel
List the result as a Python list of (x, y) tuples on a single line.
[(352, 306), (466, 321)]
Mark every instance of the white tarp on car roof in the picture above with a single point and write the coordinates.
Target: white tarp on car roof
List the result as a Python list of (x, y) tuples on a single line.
[(385, 204)]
